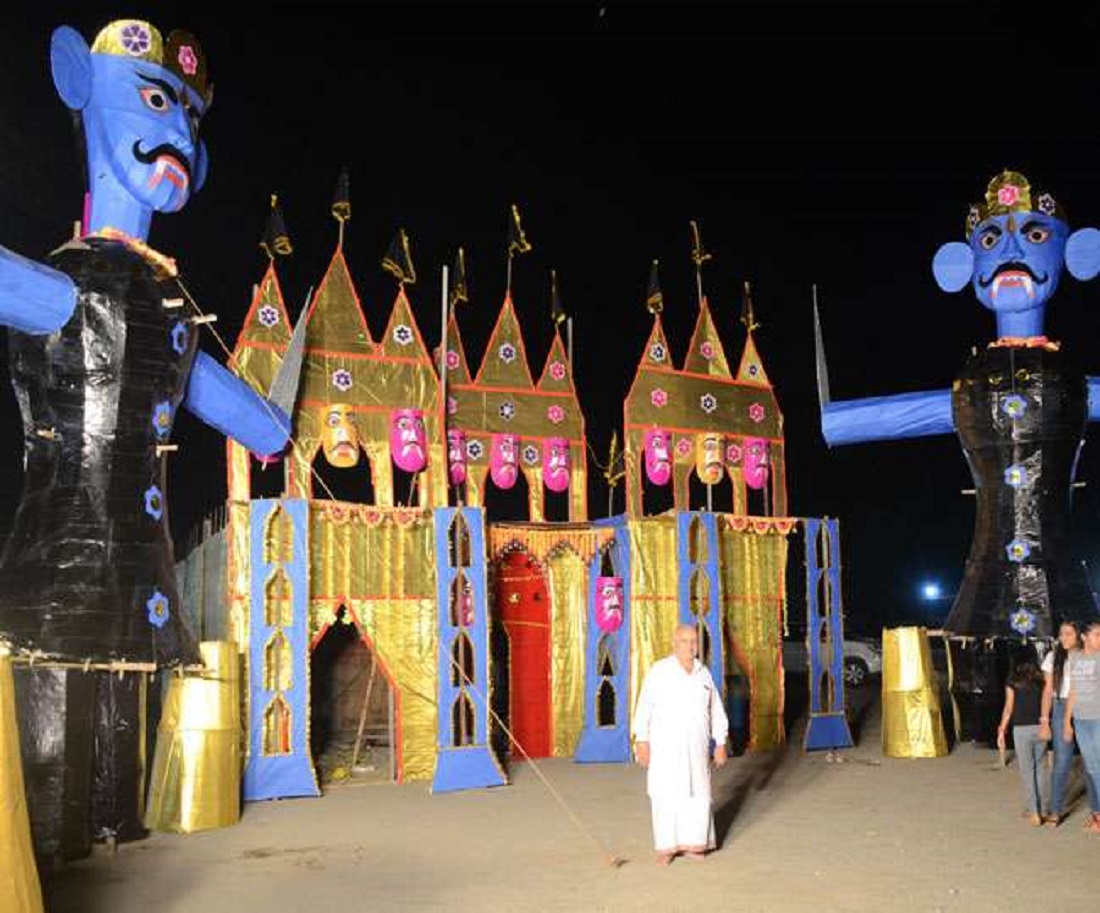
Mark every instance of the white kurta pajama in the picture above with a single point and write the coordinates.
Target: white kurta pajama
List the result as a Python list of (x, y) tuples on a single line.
[(678, 713)]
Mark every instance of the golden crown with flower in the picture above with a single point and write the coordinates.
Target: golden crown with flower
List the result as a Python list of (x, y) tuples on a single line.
[(181, 54), (1011, 192)]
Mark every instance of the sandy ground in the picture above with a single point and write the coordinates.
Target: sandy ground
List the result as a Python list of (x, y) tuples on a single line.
[(797, 833)]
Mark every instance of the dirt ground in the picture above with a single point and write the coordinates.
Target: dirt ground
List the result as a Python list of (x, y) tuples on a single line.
[(797, 832)]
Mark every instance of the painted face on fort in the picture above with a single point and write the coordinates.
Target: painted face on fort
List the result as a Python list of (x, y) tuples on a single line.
[(339, 436)]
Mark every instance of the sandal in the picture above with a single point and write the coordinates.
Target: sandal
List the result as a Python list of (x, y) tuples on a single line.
[(1092, 826), (1053, 820), (1035, 819)]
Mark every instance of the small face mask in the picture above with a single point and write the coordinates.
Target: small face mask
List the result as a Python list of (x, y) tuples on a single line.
[(708, 458), (456, 456), (556, 464), (754, 462), (503, 467), (408, 440), (658, 456), (609, 603), (339, 436)]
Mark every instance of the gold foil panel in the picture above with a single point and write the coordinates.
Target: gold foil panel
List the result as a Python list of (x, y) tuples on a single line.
[(705, 354), (669, 399), (752, 573), (912, 725), (384, 574), (195, 783), (654, 596), (505, 360), (567, 580), (20, 891)]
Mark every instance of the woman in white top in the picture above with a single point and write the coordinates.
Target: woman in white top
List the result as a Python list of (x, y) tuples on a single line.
[(1051, 717)]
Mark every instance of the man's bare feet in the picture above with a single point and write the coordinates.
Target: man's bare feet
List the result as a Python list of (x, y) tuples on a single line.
[(665, 858), (697, 856)]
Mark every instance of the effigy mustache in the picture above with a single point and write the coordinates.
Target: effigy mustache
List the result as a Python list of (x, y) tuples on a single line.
[(1013, 267), (150, 157)]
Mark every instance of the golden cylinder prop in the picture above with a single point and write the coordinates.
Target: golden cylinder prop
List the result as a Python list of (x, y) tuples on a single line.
[(912, 725), (20, 891), (196, 781)]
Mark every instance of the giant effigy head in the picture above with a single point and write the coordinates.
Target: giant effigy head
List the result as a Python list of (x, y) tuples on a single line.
[(1017, 243), (408, 439), (141, 98), (339, 436), (658, 456), (556, 465)]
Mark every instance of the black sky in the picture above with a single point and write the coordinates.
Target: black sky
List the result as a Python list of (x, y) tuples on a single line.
[(836, 146)]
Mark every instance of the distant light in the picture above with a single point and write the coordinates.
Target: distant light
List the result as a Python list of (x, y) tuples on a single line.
[(931, 591)]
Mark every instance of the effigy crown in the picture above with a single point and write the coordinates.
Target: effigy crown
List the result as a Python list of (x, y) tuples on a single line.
[(1010, 192), (137, 39)]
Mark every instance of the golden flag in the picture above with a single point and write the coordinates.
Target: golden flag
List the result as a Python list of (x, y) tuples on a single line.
[(616, 467), (341, 199), (517, 240), (654, 300), (398, 260), (748, 318), (459, 292), (557, 312), (275, 239), (698, 255)]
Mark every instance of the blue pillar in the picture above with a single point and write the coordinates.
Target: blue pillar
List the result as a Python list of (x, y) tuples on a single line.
[(470, 765), (607, 743), (828, 723), (707, 565), (279, 763)]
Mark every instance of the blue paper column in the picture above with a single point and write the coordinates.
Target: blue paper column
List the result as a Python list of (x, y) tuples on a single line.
[(700, 593), (279, 763), (828, 723), (610, 741), (463, 757)]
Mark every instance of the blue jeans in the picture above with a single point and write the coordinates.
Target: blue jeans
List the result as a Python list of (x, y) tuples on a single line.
[(1088, 740), (1029, 759), (1063, 763)]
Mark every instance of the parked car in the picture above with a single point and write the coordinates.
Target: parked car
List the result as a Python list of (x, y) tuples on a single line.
[(861, 658)]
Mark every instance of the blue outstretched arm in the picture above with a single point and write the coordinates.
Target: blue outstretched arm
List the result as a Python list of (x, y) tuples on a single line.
[(887, 418), (1094, 399), (33, 298), (227, 403)]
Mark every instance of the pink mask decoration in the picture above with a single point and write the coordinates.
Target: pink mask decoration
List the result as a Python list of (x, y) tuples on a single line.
[(754, 462), (503, 468), (408, 442), (609, 603), (658, 456), (556, 464), (456, 456), (466, 604)]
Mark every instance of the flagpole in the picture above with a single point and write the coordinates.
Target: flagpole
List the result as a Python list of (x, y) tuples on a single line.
[(569, 347), (443, 379), (698, 258), (508, 284)]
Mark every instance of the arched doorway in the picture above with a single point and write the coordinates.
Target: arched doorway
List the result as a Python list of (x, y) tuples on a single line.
[(523, 607), (351, 706)]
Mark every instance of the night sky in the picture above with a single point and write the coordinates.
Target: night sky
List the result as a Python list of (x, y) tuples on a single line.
[(832, 147)]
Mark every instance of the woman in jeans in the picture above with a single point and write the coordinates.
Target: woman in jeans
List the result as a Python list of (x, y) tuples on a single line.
[(1023, 698), (1083, 713), (1052, 718)]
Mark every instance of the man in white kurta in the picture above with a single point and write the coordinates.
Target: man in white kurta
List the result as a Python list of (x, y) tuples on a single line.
[(679, 712)]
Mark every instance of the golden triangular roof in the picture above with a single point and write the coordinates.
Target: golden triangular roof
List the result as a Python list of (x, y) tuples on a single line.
[(557, 373), (505, 361), (751, 370), (458, 371), (705, 355), (402, 338), (264, 337), (656, 353), (336, 323)]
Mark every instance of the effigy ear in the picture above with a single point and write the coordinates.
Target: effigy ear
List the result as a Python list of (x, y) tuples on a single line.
[(202, 165), (953, 266), (71, 65), (1083, 254)]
